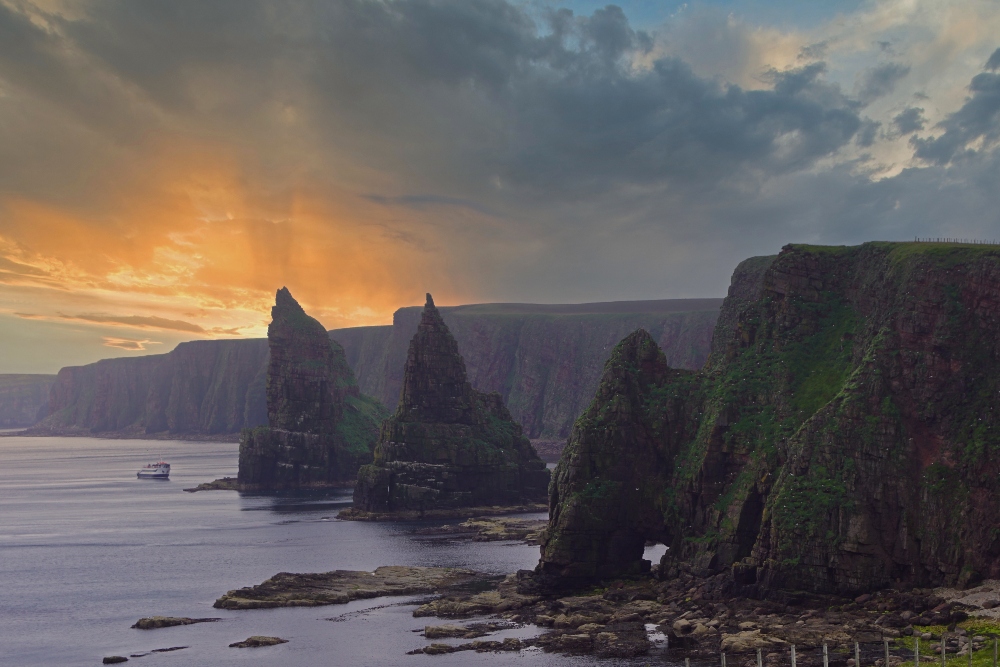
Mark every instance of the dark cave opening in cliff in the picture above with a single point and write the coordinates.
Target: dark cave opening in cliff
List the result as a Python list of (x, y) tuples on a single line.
[(749, 526)]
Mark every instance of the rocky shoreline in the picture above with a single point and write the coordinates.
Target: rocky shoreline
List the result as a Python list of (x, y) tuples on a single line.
[(354, 514)]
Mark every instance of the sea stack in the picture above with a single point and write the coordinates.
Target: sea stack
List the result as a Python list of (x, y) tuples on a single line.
[(321, 428), (447, 446), (843, 437)]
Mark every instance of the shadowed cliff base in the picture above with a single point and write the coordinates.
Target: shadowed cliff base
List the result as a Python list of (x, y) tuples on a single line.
[(447, 447), (842, 437)]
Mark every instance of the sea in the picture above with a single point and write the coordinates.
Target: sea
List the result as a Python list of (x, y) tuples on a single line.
[(86, 549)]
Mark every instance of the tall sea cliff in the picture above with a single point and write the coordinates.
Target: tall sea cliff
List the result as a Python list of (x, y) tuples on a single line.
[(544, 360), (844, 435)]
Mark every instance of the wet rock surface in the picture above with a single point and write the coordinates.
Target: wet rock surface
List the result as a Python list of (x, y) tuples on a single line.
[(257, 641), (355, 514), (321, 428), (447, 445), (489, 529), (700, 621), (341, 586), (154, 622), (221, 484)]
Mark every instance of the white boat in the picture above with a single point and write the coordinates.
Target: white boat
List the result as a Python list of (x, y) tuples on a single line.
[(158, 470)]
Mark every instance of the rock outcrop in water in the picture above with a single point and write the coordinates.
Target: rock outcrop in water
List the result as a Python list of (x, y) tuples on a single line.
[(447, 445), (843, 436), (322, 429)]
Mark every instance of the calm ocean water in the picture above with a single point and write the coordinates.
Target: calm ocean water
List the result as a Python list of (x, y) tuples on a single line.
[(86, 549)]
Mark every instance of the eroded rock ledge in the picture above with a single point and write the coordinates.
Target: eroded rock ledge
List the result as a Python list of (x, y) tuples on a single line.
[(341, 586)]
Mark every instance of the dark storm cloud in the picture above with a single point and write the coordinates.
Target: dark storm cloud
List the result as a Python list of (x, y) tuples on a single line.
[(978, 119), (483, 95), (547, 123), (879, 81), (993, 63), (909, 120)]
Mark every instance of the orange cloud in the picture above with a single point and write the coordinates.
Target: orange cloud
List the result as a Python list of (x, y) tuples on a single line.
[(199, 236), (129, 343)]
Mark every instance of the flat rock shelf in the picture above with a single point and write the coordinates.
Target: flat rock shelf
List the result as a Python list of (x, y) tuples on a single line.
[(341, 586)]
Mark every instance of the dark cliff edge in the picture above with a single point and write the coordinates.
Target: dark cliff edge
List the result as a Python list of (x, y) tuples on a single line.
[(843, 436), (321, 429), (24, 399), (447, 445), (544, 360)]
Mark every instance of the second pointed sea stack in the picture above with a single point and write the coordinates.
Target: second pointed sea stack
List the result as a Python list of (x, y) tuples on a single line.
[(447, 445), (321, 428)]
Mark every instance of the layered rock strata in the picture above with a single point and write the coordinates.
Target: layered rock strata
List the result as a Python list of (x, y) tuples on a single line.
[(322, 429), (842, 437), (447, 445)]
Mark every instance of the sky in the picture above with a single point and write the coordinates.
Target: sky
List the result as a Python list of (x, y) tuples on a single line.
[(165, 167)]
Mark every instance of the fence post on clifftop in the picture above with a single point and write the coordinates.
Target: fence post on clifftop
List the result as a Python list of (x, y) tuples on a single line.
[(857, 655), (944, 649), (916, 652), (760, 657), (994, 652), (793, 655), (826, 656), (886, 642), (687, 662), (723, 659)]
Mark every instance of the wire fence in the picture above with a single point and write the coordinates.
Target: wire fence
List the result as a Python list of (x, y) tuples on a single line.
[(949, 239), (949, 651)]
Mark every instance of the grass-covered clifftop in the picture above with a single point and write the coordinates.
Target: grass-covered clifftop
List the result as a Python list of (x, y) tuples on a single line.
[(843, 435)]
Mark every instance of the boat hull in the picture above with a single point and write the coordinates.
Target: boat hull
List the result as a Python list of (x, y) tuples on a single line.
[(153, 475)]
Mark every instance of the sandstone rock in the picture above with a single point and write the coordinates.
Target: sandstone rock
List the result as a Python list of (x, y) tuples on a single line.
[(849, 390), (446, 445), (749, 640), (321, 429)]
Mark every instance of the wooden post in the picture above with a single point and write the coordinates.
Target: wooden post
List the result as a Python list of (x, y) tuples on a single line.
[(994, 652), (760, 659), (886, 642), (723, 659), (916, 652), (968, 645), (857, 655), (944, 649), (687, 662), (793, 655), (826, 656)]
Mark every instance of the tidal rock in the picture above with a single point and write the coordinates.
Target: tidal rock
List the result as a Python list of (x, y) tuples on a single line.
[(322, 429), (447, 445), (341, 586), (258, 640), (114, 659), (842, 437), (153, 622)]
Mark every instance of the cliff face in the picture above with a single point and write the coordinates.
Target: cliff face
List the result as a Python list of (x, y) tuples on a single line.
[(843, 436), (201, 387), (545, 361), (321, 429), (447, 445), (24, 399)]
